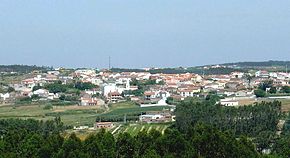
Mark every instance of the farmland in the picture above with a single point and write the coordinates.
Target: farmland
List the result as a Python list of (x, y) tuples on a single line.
[(132, 129), (72, 115), (285, 102)]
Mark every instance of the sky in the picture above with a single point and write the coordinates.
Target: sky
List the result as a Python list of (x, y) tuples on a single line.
[(142, 33)]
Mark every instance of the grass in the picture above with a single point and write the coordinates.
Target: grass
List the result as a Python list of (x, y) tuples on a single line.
[(129, 108), (70, 115), (134, 129), (285, 102)]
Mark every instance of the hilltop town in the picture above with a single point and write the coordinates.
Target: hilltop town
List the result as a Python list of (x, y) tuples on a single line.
[(91, 87), (147, 100), (103, 88)]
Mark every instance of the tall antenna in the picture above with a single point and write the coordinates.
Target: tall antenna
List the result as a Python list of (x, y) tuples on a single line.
[(286, 68), (109, 62)]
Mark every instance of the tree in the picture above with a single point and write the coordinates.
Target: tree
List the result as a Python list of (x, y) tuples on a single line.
[(266, 84), (37, 87), (125, 146), (260, 93), (84, 85), (273, 90), (56, 87), (10, 89), (70, 145), (285, 89)]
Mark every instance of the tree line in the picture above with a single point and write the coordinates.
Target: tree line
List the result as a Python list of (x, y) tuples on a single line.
[(199, 141)]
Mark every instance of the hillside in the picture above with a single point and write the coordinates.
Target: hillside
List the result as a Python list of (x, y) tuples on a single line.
[(253, 64), (22, 68)]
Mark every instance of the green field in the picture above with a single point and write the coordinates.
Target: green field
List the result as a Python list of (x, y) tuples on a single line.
[(71, 115), (285, 102), (134, 129), (129, 107)]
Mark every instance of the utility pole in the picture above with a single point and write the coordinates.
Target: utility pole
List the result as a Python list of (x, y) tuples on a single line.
[(109, 62)]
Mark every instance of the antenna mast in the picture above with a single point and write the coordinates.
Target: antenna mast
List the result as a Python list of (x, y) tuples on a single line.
[(109, 62)]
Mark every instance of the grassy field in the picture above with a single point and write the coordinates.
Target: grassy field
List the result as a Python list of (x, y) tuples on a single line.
[(127, 108), (285, 102), (70, 115), (134, 129)]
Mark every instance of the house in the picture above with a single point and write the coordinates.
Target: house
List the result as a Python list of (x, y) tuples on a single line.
[(221, 78), (186, 93), (196, 78), (53, 72), (29, 83), (41, 93), (228, 92), (4, 96), (156, 117), (109, 88), (232, 85), (85, 101), (243, 93), (263, 74), (211, 86), (149, 95), (237, 74), (114, 97), (135, 98), (99, 125), (227, 102)]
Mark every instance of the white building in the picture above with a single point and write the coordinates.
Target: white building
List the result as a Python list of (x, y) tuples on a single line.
[(5, 96), (227, 102)]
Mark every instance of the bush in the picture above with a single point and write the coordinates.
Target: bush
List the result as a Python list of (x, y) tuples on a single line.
[(260, 93), (285, 89), (47, 107)]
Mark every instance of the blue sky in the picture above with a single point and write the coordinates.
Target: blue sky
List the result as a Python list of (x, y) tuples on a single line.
[(143, 33)]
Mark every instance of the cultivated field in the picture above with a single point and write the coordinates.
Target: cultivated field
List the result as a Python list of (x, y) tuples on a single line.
[(134, 129), (70, 115), (285, 102)]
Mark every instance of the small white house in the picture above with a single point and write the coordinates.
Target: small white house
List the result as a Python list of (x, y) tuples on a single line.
[(5, 96), (226, 102)]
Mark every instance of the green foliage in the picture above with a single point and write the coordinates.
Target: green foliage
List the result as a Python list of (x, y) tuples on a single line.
[(212, 98), (84, 85), (273, 90), (266, 84), (56, 87), (138, 92), (37, 87), (259, 93), (282, 146), (22, 68), (68, 98), (34, 96), (10, 89), (25, 99), (47, 107), (249, 120), (285, 89), (142, 83)]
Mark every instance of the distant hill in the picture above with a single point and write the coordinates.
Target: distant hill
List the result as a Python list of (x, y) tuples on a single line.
[(270, 63), (180, 70), (22, 68)]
